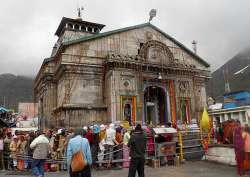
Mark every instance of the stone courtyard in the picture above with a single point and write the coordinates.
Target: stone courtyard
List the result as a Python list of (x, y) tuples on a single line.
[(189, 169)]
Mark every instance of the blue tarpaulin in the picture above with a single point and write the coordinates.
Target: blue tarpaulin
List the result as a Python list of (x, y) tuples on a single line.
[(3, 110)]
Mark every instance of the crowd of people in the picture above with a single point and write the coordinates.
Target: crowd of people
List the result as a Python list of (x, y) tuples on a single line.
[(52, 149)]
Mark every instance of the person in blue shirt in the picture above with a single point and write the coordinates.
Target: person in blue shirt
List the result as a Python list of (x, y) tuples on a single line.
[(74, 146)]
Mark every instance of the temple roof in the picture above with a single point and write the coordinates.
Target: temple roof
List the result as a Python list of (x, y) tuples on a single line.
[(108, 33), (80, 22)]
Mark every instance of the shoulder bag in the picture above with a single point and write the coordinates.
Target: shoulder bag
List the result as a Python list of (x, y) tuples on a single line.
[(78, 162)]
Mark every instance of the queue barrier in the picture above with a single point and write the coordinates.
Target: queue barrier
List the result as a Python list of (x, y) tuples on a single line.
[(63, 160)]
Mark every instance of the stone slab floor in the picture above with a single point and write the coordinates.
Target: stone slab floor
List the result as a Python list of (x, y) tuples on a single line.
[(189, 169)]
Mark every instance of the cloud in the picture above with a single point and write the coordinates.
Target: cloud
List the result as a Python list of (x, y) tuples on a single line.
[(27, 27)]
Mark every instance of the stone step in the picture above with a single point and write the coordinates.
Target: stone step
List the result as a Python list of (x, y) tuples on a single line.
[(191, 142)]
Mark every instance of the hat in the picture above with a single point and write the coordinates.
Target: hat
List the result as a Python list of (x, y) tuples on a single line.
[(85, 128), (102, 127), (138, 127), (112, 126), (96, 129), (59, 131)]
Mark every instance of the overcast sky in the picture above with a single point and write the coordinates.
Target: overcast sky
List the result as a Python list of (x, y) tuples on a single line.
[(27, 27)]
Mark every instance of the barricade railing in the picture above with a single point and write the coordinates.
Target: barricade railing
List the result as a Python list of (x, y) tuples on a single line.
[(63, 160)]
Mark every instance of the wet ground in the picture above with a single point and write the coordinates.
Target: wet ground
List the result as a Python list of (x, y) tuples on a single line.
[(189, 169)]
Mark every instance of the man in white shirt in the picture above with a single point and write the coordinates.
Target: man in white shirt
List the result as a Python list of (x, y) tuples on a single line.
[(110, 141), (41, 148)]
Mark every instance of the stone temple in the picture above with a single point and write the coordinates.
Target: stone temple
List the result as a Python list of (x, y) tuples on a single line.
[(137, 74)]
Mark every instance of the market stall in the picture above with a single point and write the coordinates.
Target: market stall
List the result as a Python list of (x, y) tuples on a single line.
[(165, 140)]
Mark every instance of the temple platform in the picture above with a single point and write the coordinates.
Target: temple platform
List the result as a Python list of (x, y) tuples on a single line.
[(222, 154)]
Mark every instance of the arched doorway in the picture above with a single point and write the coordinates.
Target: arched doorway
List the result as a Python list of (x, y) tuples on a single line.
[(128, 113), (155, 105)]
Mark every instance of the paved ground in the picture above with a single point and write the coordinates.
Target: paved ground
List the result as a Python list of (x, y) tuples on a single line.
[(189, 169)]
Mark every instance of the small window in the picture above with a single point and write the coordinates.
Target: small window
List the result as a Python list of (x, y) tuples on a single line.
[(70, 26), (222, 118), (217, 118), (76, 27), (83, 28), (235, 115), (243, 115), (89, 29)]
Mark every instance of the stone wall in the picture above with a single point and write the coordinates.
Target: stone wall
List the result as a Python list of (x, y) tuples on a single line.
[(48, 103), (128, 43), (79, 117)]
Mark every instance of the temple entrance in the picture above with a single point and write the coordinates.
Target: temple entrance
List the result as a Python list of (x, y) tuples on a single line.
[(128, 113), (155, 106), (128, 109)]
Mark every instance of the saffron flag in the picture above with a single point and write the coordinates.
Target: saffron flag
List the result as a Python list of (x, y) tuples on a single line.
[(205, 120)]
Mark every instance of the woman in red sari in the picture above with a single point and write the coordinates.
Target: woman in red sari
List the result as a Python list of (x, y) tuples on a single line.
[(239, 144)]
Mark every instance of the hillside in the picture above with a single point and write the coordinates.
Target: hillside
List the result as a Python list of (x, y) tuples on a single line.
[(15, 89), (216, 87)]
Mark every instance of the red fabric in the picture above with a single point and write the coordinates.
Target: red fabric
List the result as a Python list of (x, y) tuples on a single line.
[(20, 165), (46, 167), (90, 137), (228, 129), (240, 162), (219, 139), (239, 144), (150, 142), (205, 145), (169, 137)]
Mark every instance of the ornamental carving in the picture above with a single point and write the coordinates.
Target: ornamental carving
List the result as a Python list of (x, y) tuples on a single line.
[(154, 51), (121, 57), (184, 87), (127, 83)]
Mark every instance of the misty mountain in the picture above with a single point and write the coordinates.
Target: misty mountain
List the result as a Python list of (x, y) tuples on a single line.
[(216, 85), (15, 89)]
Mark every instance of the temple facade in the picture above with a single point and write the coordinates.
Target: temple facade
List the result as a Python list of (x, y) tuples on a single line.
[(137, 74)]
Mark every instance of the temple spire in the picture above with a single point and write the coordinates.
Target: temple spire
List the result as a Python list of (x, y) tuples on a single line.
[(79, 12)]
